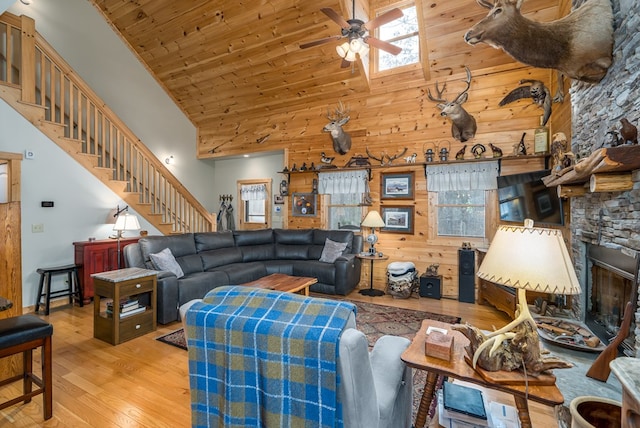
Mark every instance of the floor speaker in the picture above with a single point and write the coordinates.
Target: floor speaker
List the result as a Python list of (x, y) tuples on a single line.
[(466, 275), (430, 286)]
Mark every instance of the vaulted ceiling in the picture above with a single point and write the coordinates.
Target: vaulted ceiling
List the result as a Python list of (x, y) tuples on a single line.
[(234, 65)]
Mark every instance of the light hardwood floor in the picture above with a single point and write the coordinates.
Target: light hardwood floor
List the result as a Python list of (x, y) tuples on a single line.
[(144, 383)]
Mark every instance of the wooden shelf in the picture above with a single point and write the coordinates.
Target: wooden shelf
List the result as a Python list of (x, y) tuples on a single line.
[(605, 170)]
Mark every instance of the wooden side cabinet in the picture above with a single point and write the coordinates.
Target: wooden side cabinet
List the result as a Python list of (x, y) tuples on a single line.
[(97, 256), (136, 286)]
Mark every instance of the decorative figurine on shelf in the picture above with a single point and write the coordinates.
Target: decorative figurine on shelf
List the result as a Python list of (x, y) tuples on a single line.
[(460, 153), (326, 159), (520, 149), (432, 270), (411, 159), (294, 168), (303, 167), (478, 150), (495, 150), (558, 149)]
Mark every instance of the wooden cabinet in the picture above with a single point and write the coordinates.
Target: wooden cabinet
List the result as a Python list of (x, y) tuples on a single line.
[(124, 285), (97, 256)]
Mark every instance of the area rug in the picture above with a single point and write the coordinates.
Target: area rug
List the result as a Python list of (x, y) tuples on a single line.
[(374, 321)]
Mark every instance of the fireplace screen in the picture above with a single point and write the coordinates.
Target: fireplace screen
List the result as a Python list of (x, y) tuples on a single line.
[(613, 283)]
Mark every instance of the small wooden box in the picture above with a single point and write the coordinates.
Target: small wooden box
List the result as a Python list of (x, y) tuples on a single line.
[(439, 345)]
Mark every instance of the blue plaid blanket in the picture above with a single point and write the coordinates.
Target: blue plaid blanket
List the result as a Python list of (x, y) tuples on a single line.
[(262, 358)]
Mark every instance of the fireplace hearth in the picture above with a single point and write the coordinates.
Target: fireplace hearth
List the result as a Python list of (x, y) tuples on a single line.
[(612, 281)]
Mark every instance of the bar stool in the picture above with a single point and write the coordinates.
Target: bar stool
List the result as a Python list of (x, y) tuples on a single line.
[(24, 333), (74, 288)]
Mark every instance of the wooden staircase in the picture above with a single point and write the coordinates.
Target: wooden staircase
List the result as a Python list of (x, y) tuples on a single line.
[(45, 90)]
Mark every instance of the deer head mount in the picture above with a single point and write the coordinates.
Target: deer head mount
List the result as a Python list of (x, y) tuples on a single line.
[(463, 125), (579, 45), (341, 140)]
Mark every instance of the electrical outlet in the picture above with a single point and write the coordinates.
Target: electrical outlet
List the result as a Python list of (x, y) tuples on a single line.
[(37, 228)]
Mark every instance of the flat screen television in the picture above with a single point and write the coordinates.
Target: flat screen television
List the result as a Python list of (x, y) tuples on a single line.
[(524, 195)]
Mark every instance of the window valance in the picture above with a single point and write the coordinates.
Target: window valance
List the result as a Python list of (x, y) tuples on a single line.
[(466, 176), (342, 182), (253, 192)]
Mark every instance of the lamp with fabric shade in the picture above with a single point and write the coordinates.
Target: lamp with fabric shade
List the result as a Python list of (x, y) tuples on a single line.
[(124, 222), (526, 258), (372, 220)]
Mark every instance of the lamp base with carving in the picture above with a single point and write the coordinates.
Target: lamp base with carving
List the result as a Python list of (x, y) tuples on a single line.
[(513, 348)]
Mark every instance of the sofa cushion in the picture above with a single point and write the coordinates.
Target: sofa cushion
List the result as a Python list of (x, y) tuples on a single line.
[(206, 241), (214, 258), (258, 253), (293, 236), (291, 252), (198, 284), (241, 273), (319, 237), (253, 237), (332, 250), (164, 260), (180, 245), (325, 272)]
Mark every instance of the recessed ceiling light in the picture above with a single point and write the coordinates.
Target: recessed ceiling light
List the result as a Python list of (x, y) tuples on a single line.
[(245, 156)]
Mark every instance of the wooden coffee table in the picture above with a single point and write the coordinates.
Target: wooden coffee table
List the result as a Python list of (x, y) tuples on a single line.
[(283, 282), (457, 368)]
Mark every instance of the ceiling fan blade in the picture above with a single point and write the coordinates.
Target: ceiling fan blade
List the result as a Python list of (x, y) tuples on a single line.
[(385, 46), (319, 42), (386, 17), (336, 17)]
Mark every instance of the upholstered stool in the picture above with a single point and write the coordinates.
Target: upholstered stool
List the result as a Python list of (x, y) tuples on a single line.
[(44, 288), (25, 333)]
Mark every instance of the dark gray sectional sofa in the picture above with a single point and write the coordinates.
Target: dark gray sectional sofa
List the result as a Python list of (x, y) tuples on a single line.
[(212, 259)]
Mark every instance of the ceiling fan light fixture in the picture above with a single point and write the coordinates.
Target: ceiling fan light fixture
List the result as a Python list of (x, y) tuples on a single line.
[(355, 45), (351, 56), (343, 49)]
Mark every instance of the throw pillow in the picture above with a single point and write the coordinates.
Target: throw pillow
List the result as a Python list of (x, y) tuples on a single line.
[(332, 250), (164, 260)]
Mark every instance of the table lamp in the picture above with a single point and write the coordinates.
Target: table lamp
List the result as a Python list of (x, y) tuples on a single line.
[(124, 222), (372, 220), (526, 258)]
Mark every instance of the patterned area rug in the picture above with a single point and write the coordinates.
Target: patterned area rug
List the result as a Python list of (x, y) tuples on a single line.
[(374, 321)]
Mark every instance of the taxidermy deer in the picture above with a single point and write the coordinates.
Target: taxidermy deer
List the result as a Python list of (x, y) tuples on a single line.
[(463, 125), (341, 140), (578, 45)]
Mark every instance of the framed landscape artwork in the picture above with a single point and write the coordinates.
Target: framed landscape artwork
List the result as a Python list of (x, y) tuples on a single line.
[(397, 186), (397, 219)]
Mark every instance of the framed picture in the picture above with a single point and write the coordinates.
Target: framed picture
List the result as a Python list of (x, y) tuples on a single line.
[(397, 186), (397, 219), (303, 204), (278, 199), (544, 206)]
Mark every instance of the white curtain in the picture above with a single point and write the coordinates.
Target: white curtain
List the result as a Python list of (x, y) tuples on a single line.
[(464, 176), (253, 192), (342, 182)]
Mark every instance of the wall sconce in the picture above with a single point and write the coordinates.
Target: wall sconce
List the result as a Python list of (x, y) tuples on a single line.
[(169, 160)]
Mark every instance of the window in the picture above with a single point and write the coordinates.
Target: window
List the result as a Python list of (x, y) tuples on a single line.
[(255, 203), (461, 213), (402, 32), (344, 211)]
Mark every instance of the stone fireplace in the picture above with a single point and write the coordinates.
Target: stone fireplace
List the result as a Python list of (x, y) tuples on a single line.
[(609, 219)]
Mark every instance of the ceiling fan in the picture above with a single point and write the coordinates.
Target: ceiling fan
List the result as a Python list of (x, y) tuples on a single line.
[(356, 31)]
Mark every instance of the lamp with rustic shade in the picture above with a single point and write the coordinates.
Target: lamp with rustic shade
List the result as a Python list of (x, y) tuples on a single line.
[(124, 222), (525, 258), (372, 220)]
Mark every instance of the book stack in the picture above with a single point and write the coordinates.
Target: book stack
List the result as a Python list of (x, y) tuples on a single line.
[(128, 307), (461, 406)]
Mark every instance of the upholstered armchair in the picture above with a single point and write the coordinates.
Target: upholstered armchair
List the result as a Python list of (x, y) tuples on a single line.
[(373, 389)]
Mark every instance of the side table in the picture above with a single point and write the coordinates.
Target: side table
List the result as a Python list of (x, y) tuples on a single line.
[(371, 291), (116, 287)]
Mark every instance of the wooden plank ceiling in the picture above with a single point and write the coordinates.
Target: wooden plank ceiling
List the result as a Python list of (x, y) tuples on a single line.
[(235, 66)]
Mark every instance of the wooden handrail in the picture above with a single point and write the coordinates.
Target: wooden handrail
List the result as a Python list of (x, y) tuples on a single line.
[(48, 81)]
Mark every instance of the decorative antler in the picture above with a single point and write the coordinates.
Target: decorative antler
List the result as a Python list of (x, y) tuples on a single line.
[(394, 157), (380, 159), (468, 81), (340, 112), (439, 91)]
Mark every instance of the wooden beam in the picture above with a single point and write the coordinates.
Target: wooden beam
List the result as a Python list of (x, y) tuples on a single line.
[(610, 182), (568, 191)]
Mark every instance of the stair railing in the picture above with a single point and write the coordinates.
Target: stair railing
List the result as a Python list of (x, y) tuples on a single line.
[(45, 79)]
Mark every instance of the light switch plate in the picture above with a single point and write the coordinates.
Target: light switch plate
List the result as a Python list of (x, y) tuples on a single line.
[(29, 154)]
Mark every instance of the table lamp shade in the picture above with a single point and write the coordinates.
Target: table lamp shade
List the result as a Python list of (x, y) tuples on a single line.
[(372, 219), (530, 258), (127, 222)]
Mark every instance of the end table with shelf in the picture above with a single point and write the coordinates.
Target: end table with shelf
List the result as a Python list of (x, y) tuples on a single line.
[(119, 285), (372, 292)]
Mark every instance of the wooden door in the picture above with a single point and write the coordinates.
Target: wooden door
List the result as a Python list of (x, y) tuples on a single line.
[(254, 213), (10, 247)]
